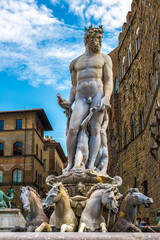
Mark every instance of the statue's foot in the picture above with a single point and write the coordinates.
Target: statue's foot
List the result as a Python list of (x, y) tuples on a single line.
[(91, 167), (68, 168), (76, 166)]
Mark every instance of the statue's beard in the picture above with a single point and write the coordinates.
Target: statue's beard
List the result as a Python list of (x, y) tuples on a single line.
[(94, 46)]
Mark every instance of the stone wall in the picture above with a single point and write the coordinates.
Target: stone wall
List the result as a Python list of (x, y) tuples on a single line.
[(139, 77), (113, 133)]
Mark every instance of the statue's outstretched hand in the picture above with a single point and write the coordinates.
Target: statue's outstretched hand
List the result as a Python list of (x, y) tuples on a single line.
[(63, 102)]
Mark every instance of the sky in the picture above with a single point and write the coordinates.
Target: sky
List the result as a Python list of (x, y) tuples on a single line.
[(39, 39)]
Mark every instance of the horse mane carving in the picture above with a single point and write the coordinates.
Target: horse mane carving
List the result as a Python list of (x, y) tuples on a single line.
[(55, 185), (34, 191), (99, 186)]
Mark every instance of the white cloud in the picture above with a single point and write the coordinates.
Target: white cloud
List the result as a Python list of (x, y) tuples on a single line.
[(110, 13), (31, 40), (78, 6), (54, 1), (38, 47), (23, 21)]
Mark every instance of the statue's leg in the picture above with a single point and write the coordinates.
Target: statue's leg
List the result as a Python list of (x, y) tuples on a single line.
[(103, 227), (31, 228), (132, 228), (95, 140), (44, 226), (4, 204), (98, 159), (67, 228), (103, 165), (80, 111), (78, 158), (9, 203), (82, 227), (85, 157)]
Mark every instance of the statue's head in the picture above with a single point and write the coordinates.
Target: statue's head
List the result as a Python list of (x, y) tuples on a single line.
[(93, 38)]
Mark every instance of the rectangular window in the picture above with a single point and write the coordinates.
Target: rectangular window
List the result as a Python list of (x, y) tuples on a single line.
[(1, 125), (18, 123), (1, 149), (41, 155), (45, 148), (135, 182), (17, 175), (44, 166), (37, 150)]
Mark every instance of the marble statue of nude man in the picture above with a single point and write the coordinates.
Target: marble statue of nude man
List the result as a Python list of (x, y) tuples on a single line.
[(92, 78)]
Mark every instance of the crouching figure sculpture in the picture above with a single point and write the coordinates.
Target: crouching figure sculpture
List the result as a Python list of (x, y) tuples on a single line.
[(127, 216), (91, 218), (63, 217), (9, 198)]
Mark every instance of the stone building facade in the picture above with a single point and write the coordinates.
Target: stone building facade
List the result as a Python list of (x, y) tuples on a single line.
[(24, 153), (137, 68), (113, 128), (54, 159)]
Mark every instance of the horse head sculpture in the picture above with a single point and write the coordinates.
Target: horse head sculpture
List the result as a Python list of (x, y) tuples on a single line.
[(53, 196), (100, 195), (63, 218), (127, 216), (32, 205), (109, 200), (138, 198)]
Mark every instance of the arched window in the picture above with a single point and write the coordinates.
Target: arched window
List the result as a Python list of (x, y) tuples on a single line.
[(138, 40), (116, 85), (1, 149), (123, 67), (141, 120), (1, 176), (17, 148), (17, 175), (129, 55)]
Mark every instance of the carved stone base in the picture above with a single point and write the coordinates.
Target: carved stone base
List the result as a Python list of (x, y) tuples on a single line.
[(78, 181), (79, 236), (10, 217)]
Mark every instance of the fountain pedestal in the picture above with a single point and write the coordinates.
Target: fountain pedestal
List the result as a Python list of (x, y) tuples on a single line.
[(10, 217)]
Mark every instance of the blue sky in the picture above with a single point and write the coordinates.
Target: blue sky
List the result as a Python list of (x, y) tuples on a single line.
[(39, 39)]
